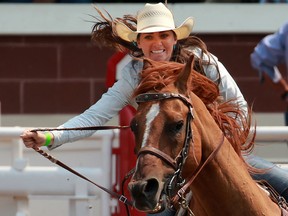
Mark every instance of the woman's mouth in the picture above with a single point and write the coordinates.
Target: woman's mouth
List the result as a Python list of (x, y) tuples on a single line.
[(158, 51)]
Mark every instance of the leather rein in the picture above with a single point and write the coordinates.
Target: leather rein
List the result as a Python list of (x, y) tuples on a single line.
[(120, 197), (177, 181)]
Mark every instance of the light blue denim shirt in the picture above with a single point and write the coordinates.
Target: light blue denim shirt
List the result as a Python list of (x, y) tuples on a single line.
[(120, 95), (271, 51)]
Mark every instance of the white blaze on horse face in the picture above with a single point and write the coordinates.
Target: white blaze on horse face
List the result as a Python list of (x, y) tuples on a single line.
[(150, 116)]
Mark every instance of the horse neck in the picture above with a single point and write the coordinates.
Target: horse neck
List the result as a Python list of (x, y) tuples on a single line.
[(229, 190), (224, 186)]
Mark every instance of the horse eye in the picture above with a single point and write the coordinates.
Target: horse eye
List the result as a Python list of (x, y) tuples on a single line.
[(176, 126), (133, 126), (179, 125)]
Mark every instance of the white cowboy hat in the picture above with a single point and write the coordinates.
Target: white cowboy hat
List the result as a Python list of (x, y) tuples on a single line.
[(154, 18)]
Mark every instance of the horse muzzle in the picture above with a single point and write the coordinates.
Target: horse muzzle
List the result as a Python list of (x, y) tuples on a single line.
[(147, 195)]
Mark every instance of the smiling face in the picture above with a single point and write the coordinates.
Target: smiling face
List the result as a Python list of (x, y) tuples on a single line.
[(157, 46)]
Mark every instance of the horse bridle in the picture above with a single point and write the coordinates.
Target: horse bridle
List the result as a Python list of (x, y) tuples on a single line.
[(176, 186), (176, 181)]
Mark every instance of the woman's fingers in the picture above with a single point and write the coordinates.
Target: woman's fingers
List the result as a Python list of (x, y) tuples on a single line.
[(32, 139)]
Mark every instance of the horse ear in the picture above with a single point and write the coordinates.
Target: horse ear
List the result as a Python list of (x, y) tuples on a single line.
[(146, 63), (184, 80)]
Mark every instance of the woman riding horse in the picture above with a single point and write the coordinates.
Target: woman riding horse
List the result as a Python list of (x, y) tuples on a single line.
[(152, 34)]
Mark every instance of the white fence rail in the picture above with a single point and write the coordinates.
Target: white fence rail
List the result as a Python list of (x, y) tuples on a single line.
[(272, 144), (272, 134), (32, 186)]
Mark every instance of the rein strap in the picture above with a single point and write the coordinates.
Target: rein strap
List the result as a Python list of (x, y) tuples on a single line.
[(120, 197), (81, 128)]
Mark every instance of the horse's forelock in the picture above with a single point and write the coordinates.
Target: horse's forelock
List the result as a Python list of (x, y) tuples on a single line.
[(157, 75)]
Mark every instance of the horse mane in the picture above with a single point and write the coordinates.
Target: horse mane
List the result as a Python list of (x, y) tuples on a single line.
[(230, 118), (157, 74)]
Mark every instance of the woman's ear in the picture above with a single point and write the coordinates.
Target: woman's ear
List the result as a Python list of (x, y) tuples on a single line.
[(175, 41)]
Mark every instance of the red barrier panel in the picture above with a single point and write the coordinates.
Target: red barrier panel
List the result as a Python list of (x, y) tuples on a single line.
[(125, 157)]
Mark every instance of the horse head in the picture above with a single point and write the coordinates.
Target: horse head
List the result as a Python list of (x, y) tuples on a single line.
[(163, 135)]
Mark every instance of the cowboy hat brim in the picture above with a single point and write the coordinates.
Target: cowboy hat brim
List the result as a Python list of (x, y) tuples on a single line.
[(183, 31)]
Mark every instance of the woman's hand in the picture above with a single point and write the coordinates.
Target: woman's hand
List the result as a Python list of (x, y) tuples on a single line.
[(33, 139)]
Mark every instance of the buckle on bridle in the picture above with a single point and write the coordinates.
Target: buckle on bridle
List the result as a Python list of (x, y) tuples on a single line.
[(175, 182)]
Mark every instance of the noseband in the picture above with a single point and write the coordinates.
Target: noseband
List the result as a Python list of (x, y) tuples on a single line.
[(176, 181)]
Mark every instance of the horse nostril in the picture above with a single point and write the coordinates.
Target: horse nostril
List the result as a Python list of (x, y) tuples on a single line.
[(151, 187)]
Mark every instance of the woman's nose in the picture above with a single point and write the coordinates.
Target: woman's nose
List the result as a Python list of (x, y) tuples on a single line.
[(157, 41)]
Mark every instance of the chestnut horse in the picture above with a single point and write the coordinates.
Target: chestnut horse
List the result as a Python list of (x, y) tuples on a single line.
[(192, 143)]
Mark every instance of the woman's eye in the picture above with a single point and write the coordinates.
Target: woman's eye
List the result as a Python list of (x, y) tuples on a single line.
[(148, 37), (163, 36)]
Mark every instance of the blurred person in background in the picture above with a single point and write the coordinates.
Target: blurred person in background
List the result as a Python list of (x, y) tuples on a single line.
[(270, 52)]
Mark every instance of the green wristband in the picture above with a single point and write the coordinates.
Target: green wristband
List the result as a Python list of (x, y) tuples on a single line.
[(48, 139)]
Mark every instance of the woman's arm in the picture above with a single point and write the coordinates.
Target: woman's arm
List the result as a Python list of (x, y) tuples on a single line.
[(118, 96), (98, 114)]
